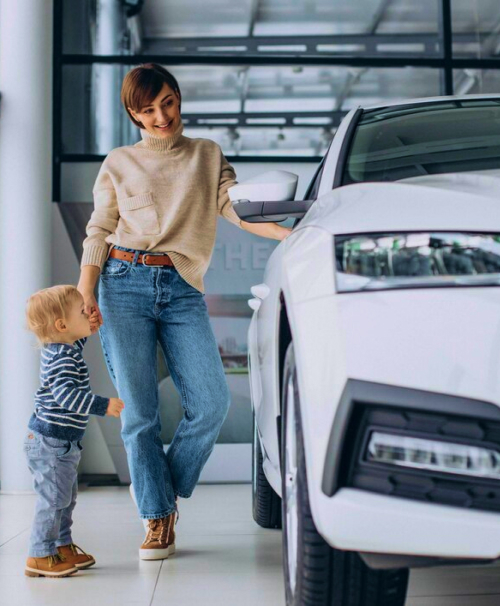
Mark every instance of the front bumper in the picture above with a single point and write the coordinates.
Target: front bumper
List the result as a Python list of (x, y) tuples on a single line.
[(356, 520), (389, 509)]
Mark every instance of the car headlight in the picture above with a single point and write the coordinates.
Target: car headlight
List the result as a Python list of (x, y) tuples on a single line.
[(380, 261), (420, 453)]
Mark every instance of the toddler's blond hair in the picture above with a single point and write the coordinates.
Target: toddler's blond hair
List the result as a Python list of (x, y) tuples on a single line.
[(45, 307)]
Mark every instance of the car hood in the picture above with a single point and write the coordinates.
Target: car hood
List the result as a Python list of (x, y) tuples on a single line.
[(458, 201), (445, 340)]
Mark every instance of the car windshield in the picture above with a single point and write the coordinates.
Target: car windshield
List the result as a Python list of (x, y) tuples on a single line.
[(394, 143), (415, 260)]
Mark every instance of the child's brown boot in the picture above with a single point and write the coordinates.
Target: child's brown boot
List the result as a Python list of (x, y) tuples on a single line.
[(80, 560), (54, 567)]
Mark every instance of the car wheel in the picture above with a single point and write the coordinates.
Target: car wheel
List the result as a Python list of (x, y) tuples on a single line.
[(315, 573), (266, 503)]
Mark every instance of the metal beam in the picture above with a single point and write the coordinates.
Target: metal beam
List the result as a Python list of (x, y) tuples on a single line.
[(371, 43), (251, 60), (446, 40), (285, 59), (241, 119), (57, 101), (379, 16), (308, 45)]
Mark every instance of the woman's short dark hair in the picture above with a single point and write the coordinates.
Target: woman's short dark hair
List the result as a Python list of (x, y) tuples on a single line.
[(141, 86)]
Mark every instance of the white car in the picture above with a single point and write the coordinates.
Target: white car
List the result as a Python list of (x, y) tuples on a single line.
[(374, 354)]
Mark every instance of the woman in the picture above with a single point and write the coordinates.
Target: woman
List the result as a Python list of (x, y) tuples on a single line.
[(149, 241)]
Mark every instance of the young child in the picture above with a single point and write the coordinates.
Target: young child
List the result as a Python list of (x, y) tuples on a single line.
[(63, 404)]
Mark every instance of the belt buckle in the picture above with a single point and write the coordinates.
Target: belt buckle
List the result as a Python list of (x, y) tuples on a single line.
[(150, 255)]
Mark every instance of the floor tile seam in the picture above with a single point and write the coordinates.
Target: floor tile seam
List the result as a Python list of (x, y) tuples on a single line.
[(156, 584), (14, 537)]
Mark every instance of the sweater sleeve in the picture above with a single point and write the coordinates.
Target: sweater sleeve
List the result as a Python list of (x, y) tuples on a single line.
[(68, 393), (103, 221), (226, 180)]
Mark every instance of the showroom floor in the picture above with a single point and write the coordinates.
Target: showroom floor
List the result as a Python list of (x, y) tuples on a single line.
[(223, 558)]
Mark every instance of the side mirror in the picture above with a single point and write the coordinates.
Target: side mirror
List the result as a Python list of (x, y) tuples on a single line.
[(269, 197)]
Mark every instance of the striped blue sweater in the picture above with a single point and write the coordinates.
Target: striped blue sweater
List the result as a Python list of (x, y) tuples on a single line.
[(64, 400)]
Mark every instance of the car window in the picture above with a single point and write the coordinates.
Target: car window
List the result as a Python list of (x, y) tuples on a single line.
[(394, 143)]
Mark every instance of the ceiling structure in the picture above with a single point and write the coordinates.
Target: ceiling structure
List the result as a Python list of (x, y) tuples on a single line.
[(274, 78)]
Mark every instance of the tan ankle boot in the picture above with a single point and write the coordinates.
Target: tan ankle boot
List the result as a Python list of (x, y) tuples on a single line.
[(50, 566), (71, 555), (160, 539), (171, 534)]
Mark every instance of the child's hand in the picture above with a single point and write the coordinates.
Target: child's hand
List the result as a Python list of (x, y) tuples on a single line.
[(115, 407), (94, 322)]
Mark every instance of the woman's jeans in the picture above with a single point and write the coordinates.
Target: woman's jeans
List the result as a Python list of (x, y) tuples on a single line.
[(53, 464), (141, 305)]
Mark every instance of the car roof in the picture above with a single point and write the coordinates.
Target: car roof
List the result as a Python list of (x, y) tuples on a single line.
[(430, 100)]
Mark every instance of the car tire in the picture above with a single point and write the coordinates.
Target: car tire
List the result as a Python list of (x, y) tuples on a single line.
[(266, 504), (315, 573)]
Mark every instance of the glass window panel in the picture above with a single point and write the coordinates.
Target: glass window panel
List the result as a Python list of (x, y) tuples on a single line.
[(476, 81), (475, 26), (195, 19), (336, 17), (410, 17), (300, 106), (78, 22), (328, 27)]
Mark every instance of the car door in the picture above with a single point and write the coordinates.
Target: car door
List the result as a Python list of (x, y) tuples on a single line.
[(264, 327)]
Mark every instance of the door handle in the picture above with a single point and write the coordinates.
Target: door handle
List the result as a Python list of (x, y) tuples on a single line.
[(260, 291)]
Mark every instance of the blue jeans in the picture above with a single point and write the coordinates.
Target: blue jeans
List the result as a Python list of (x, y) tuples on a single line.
[(142, 305), (54, 464)]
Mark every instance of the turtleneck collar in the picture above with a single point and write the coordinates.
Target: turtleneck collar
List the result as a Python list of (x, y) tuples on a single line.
[(162, 144)]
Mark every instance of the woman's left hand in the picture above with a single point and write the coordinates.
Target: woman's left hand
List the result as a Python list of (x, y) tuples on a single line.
[(267, 230)]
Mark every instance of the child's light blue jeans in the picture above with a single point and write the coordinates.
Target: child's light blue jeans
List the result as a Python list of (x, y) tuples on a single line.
[(142, 305), (54, 464)]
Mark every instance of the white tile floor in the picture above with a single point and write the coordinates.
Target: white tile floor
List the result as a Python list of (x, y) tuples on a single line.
[(223, 558)]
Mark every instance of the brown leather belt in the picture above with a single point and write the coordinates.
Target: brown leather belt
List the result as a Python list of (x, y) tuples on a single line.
[(145, 259)]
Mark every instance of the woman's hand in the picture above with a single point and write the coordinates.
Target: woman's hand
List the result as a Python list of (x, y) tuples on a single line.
[(86, 286), (267, 230)]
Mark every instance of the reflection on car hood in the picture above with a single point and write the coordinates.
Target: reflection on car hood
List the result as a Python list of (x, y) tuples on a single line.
[(482, 183), (458, 201), (442, 340)]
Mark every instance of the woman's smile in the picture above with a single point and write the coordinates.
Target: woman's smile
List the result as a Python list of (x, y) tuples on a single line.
[(164, 126)]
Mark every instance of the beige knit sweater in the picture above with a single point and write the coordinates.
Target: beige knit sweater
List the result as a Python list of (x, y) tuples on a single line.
[(162, 195)]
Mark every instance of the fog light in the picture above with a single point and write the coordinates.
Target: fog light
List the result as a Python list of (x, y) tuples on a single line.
[(445, 457)]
